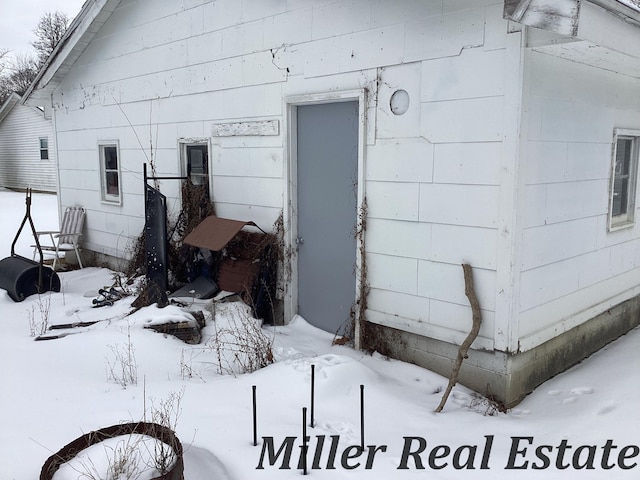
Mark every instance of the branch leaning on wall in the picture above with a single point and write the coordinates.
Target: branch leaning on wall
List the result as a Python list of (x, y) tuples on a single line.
[(469, 291), (150, 158)]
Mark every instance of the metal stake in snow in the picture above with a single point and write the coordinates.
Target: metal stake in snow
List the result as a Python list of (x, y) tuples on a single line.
[(255, 418), (304, 441), (362, 417), (313, 380)]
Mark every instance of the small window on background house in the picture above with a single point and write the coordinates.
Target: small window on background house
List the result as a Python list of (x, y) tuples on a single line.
[(623, 178), (44, 148), (195, 164), (110, 172)]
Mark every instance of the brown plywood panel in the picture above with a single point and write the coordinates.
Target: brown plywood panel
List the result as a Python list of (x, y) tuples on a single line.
[(214, 232)]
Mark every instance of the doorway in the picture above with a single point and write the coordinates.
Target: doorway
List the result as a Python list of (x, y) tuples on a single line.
[(327, 152)]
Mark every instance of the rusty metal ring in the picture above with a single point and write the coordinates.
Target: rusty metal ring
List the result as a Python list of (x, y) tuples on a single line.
[(154, 430)]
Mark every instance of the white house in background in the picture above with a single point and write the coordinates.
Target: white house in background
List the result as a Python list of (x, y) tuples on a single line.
[(406, 137), (27, 156)]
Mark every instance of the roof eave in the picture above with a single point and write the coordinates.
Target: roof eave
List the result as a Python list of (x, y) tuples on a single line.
[(632, 15), (92, 16), (8, 105), (563, 16)]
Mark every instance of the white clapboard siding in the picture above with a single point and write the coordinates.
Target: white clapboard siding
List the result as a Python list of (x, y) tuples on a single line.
[(20, 163)]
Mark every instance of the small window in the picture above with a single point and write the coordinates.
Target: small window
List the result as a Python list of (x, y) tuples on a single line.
[(194, 160), (110, 172), (44, 148), (623, 178)]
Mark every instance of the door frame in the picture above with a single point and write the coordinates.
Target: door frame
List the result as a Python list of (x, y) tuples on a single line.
[(290, 216)]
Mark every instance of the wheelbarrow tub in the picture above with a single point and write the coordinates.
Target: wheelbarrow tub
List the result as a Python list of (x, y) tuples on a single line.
[(20, 277)]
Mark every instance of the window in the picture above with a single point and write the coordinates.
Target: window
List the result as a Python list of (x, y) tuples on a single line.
[(194, 160), (623, 178), (110, 172), (44, 148)]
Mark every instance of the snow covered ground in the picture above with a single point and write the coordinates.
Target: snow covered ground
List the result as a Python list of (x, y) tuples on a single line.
[(583, 424)]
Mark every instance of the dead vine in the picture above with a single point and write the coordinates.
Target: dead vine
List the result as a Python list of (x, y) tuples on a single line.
[(242, 346), (263, 253), (195, 207), (359, 307)]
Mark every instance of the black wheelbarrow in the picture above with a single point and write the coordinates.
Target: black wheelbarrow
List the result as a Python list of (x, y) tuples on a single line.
[(22, 277)]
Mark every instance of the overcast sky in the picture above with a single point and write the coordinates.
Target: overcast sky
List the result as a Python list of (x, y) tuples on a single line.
[(18, 19)]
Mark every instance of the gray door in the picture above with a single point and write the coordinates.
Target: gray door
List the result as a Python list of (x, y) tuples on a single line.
[(327, 156)]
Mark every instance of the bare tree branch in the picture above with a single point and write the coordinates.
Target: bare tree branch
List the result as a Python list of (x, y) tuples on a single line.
[(17, 74), (49, 31), (470, 292), (23, 71), (3, 58)]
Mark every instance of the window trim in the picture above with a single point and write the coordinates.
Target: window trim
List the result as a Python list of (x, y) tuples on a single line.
[(106, 197), (626, 220), (183, 143), (45, 149)]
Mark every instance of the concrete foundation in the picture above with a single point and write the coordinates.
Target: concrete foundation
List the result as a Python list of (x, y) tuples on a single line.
[(96, 259), (507, 377)]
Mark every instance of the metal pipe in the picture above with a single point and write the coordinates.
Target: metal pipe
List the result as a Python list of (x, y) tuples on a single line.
[(313, 381), (255, 418), (304, 441), (362, 417)]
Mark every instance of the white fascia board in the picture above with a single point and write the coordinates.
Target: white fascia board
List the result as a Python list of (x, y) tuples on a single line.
[(73, 47), (602, 27), (93, 15)]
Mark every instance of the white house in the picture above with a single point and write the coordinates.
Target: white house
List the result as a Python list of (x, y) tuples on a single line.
[(398, 140), (27, 154)]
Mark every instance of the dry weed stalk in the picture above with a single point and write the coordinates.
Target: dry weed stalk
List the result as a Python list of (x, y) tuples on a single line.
[(124, 460), (195, 207), (243, 346), (284, 254), (123, 368), (41, 325), (186, 367), (166, 414), (351, 333), (485, 405)]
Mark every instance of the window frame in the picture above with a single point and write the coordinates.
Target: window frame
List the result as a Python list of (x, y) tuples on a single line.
[(183, 144), (45, 149), (105, 195), (627, 219)]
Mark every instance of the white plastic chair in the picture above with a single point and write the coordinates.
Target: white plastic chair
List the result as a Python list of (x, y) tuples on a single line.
[(67, 238)]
